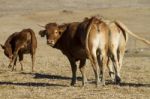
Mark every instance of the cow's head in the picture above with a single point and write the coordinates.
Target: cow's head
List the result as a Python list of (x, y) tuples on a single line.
[(52, 32), (7, 51)]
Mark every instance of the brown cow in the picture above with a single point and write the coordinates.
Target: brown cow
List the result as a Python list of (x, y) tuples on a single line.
[(20, 43), (73, 41)]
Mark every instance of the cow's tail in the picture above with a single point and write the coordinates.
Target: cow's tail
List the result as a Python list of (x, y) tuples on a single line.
[(33, 38), (121, 25)]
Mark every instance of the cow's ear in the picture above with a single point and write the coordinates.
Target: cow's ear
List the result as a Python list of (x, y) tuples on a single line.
[(62, 28), (3, 47), (42, 33)]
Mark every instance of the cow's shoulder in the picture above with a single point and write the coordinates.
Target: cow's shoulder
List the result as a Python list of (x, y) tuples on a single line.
[(11, 38), (71, 29)]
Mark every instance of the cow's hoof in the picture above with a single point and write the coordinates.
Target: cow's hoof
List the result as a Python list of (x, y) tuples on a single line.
[(84, 84), (9, 66), (73, 83), (13, 69), (117, 80), (98, 84), (103, 83)]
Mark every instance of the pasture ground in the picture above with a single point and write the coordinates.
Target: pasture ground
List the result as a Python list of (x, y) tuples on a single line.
[(52, 76)]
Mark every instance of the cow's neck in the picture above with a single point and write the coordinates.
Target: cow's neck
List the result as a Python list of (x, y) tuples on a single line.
[(62, 43)]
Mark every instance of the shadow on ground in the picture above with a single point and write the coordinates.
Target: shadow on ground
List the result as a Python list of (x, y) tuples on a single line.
[(30, 84), (134, 84), (50, 76), (59, 77), (125, 84)]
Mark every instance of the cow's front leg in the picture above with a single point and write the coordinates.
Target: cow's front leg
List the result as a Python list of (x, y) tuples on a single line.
[(82, 70), (74, 70), (9, 66), (12, 63)]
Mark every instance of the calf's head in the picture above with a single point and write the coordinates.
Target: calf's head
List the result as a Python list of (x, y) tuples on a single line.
[(7, 51), (53, 32)]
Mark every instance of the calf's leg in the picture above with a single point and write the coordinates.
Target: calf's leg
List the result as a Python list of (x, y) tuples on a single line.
[(14, 65), (33, 51), (33, 61), (20, 60)]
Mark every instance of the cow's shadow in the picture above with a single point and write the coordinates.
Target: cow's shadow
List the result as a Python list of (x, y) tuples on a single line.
[(59, 77), (47, 76), (108, 82), (37, 84), (134, 84), (128, 84), (30, 84), (50, 76)]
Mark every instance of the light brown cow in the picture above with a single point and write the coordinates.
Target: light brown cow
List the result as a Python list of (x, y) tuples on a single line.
[(118, 37), (20, 43), (97, 41), (117, 44)]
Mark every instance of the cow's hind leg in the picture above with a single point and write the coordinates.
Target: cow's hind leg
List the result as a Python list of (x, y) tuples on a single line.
[(116, 65), (99, 58), (33, 58), (82, 70), (111, 69), (121, 55), (94, 62), (104, 63), (33, 61)]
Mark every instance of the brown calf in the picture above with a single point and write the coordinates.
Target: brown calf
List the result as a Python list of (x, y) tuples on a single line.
[(20, 43)]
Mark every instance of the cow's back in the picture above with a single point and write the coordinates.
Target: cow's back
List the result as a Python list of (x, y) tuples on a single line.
[(28, 38), (33, 38), (82, 32)]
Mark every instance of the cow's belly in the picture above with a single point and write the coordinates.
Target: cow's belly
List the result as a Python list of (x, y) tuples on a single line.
[(79, 53), (26, 49)]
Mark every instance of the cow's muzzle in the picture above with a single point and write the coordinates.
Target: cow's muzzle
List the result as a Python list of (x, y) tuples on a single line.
[(51, 42)]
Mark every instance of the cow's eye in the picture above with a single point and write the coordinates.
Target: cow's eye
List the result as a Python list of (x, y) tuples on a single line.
[(56, 32)]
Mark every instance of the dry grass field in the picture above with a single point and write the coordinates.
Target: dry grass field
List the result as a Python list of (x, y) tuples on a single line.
[(52, 76)]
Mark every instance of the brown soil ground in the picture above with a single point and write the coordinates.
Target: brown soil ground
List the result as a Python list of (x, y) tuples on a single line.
[(52, 76)]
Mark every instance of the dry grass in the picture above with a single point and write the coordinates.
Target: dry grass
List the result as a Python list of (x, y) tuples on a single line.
[(52, 76)]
